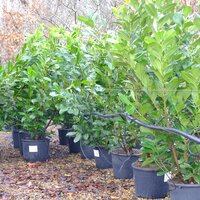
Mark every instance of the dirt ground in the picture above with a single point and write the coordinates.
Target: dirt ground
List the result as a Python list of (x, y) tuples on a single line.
[(63, 177)]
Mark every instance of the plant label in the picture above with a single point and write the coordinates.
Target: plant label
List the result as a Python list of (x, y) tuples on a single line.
[(167, 176), (96, 153), (33, 149)]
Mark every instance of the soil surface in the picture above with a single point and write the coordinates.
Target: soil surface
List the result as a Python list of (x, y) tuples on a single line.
[(63, 177)]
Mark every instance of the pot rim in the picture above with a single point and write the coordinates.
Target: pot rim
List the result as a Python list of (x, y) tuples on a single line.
[(83, 145), (100, 148), (40, 140), (181, 185), (147, 169), (65, 129), (124, 154)]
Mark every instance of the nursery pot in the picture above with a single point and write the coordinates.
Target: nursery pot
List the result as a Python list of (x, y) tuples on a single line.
[(63, 139), (184, 191), (22, 135), (103, 158), (74, 147), (35, 150), (122, 164), (15, 137), (87, 152), (148, 184)]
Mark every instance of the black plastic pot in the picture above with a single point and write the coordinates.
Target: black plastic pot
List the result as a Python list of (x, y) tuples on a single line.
[(138, 146), (103, 158), (74, 147), (23, 135), (63, 139), (184, 191), (15, 137), (7, 127), (148, 184), (122, 168), (87, 152), (35, 150)]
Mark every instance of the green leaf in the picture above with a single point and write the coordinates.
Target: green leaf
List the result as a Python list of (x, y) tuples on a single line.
[(112, 40), (86, 20), (47, 79), (178, 18), (148, 144), (151, 10), (135, 3), (149, 40), (32, 116), (197, 178), (86, 136), (124, 99), (155, 50), (77, 138), (169, 8), (130, 109), (165, 19), (53, 94), (133, 95), (31, 72), (187, 10), (160, 173), (147, 162), (30, 109), (71, 133), (168, 36), (187, 176), (146, 108), (197, 22), (172, 86)]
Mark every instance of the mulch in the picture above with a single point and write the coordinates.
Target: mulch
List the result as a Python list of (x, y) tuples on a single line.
[(64, 176)]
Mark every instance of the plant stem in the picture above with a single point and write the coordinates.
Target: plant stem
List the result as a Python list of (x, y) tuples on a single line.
[(186, 150), (49, 122), (172, 146), (124, 143)]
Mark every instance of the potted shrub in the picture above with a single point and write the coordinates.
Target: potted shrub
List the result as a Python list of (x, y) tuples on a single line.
[(185, 180), (14, 120), (149, 171), (64, 116), (95, 133), (82, 131), (35, 146), (127, 151), (102, 138), (109, 81), (32, 84), (162, 63), (73, 74), (44, 66), (65, 120), (9, 118), (2, 96)]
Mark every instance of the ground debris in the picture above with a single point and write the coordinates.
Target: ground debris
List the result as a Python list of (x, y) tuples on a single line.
[(64, 177)]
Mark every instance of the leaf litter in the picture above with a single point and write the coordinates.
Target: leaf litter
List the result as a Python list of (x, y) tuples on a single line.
[(63, 177)]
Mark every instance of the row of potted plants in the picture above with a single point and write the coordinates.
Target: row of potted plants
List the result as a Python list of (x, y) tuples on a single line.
[(148, 67)]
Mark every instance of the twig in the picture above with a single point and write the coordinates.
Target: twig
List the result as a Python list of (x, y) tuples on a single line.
[(49, 122)]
